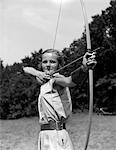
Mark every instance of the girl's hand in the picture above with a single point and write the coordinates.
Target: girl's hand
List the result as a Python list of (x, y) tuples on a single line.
[(89, 61), (43, 77)]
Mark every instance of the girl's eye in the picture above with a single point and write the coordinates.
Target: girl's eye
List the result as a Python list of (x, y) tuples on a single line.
[(53, 61), (44, 62)]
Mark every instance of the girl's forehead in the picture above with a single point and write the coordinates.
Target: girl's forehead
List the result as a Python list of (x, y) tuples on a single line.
[(49, 56)]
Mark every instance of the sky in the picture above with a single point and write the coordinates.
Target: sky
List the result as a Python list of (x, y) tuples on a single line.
[(29, 25)]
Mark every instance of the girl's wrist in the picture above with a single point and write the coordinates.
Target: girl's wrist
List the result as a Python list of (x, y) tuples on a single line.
[(84, 68)]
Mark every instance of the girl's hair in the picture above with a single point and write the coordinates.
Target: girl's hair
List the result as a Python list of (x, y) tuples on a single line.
[(58, 54)]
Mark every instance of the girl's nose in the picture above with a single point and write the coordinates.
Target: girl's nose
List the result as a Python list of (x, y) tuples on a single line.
[(48, 64)]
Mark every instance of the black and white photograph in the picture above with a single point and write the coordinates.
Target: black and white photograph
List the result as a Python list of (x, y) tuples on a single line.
[(57, 74)]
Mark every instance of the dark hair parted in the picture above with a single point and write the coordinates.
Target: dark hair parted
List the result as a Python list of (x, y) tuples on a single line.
[(59, 55)]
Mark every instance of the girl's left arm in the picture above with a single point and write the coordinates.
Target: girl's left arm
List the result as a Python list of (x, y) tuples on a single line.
[(80, 74), (75, 79), (63, 81)]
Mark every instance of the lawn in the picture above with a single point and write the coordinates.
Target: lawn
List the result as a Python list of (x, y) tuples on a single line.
[(22, 134)]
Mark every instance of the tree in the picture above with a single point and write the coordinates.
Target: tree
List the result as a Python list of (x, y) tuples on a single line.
[(102, 31)]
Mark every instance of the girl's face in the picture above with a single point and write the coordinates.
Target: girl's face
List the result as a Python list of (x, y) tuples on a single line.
[(49, 63)]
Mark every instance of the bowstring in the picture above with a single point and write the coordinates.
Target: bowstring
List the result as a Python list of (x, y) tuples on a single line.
[(57, 24), (54, 42)]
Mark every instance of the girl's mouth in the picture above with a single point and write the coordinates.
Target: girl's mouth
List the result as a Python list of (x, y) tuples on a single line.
[(49, 71)]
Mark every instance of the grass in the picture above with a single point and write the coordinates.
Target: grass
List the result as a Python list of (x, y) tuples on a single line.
[(22, 134)]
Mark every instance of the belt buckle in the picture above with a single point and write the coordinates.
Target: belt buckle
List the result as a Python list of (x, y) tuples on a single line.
[(59, 125)]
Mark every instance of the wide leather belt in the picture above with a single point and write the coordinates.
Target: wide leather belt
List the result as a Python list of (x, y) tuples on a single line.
[(53, 125)]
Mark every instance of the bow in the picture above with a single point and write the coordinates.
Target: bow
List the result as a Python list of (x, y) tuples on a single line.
[(90, 75), (90, 70)]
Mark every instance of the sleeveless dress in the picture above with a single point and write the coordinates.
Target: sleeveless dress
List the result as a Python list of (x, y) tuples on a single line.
[(54, 104)]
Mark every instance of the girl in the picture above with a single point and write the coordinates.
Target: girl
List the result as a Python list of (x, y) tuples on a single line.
[(54, 103)]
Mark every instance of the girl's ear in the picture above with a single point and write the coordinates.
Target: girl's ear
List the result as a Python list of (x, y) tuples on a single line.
[(59, 66), (40, 66)]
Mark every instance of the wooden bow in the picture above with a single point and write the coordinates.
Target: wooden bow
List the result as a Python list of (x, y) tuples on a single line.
[(90, 75)]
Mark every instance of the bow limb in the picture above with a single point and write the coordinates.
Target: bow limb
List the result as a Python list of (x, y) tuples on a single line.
[(90, 75)]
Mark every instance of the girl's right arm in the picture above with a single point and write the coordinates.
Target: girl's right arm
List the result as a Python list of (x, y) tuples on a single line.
[(32, 71), (40, 76)]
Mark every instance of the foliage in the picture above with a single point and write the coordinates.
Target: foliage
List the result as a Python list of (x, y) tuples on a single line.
[(105, 91), (19, 93), (102, 31)]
